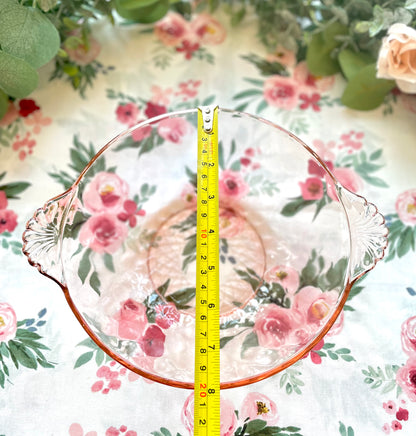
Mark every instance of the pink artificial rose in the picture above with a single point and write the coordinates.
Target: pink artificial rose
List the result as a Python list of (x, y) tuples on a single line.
[(166, 315), (3, 200), (153, 341), (103, 233), (172, 29), (141, 133), (281, 92), (230, 224), (397, 57), (347, 177), (106, 192), (131, 320), (10, 116), (283, 56), (275, 325), (258, 406), (84, 55), (409, 336), (8, 322), (228, 421), (127, 113), (286, 276), (173, 129), (232, 185), (312, 188), (406, 207), (8, 220), (406, 378), (208, 30), (309, 83), (189, 196), (314, 304), (390, 407)]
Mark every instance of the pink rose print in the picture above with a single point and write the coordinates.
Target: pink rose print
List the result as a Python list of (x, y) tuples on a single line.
[(76, 430), (315, 357), (390, 407), (37, 120), (144, 362), (232, 185), (309, 83), (166, 315), (228, 418), (153, 110), (21, 143), (286, 276), (258, 406), (352, 141), (8, 322), (314, 304), (347, 177), (153, 341), (8, 220), (161, 96), (281, 92), (230, 224), (283, 56), (173, 129), (409, 336), (274, 326), (406, 207), (172, 29), (127, 113), (83, 54), (10, 116), (188, 89), (310, 101), (337, 326), (112, 431), (312, 189), (141, 132), (395, 425), (131, 320), (386, 428), (110, 380), (315, 169), (106, 192), (188, 195), (325, 150), (406, 378), (130, 212), (402, 414), (188, 48), (103, 233), (208, 29), (3, 200), (27, 106)]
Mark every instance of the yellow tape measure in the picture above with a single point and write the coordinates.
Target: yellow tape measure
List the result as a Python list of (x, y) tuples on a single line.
[(207, 312)]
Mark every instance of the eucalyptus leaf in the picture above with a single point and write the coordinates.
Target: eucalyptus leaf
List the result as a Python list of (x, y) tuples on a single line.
[(351, 62), (364, 91), (147, 14), (17, 78), (319, 55), (27, 34), (4, 104)]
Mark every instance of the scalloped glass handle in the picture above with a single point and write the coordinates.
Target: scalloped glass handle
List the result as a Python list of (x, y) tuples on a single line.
[(368, 233), (41, 239)]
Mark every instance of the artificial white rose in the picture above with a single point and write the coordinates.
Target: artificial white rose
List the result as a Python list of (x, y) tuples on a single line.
[(397, 57)]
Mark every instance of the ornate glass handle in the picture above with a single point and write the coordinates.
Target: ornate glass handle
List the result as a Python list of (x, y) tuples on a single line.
[(41, 239), (368, 233)]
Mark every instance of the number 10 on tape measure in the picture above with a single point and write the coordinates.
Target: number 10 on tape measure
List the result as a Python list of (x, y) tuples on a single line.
[(207, 335)]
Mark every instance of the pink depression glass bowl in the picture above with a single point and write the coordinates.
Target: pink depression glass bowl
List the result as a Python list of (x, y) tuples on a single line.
[(121, 244)]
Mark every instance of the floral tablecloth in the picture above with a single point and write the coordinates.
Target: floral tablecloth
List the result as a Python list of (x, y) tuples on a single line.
[(54, 381)]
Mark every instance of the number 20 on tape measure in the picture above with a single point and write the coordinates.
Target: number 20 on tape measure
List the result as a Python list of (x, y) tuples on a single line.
[(207, 341)]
